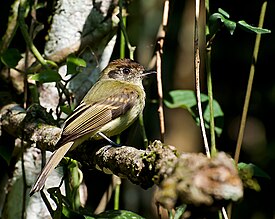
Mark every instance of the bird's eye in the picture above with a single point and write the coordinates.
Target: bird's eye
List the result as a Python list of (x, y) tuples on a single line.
[(126, 71)]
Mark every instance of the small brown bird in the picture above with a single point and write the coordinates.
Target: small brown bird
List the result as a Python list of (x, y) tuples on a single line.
[(109, 107)]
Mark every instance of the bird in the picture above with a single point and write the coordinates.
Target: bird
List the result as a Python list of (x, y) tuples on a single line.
[(112, 104)]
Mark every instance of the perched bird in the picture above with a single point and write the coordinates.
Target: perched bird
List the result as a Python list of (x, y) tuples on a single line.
[(109, 107)]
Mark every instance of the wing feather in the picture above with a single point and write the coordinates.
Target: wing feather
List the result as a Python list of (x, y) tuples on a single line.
[(88, 118)]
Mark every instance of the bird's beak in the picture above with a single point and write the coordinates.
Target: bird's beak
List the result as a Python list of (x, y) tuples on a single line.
[(148, 72)]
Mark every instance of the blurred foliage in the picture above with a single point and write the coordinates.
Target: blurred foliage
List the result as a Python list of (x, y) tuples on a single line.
[(186, 99), (248, 172), (231, 58)]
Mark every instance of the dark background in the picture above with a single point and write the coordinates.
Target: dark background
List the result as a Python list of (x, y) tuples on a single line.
[(231, 59)]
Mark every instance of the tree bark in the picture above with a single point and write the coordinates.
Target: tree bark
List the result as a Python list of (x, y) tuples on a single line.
[(189, 178)]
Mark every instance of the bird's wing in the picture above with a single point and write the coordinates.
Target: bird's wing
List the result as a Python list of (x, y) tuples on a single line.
[(90, 117)]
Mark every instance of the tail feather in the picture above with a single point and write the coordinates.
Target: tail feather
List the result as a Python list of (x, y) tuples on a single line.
[(49, 167)]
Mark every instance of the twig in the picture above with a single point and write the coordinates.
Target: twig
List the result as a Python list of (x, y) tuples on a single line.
[(122, 38), (210, 96), (27, 38), (143, 131), (160, 93), (24, 193), (249, 85), (158, 55), (224, 213), (26, 65), (209, 85), (123, 29), (117, 183), (11, 29), (197, 78)]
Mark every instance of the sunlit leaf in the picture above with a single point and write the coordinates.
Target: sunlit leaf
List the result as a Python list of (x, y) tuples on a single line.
[(73, 64), (215, 23), (230, 25), (223, 12), (186, 99), (183, 99), (250, 28), (66, 109), (46, 76), (217, 20), (179, 211), (218, 113)]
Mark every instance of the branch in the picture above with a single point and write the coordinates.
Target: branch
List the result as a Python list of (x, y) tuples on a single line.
[(189, 178), (197, 77), (35, 123)]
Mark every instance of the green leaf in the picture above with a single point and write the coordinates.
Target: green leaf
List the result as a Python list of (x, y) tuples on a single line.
[(63, 204), (66, 109), (255, 171), (218, 113), (230, 25), (215, 23), (46, 76), (247, 173), (118, 214), (179, 211), (73, 64), (11, 57), (217, 20), (223, 12), (250, 28), (68, 213), (186, 99), (183, 99)]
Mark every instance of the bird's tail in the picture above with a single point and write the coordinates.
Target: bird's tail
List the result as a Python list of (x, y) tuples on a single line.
[(51, 164)]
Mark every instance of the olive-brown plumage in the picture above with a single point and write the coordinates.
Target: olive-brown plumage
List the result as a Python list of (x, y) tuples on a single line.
[(110, 106)]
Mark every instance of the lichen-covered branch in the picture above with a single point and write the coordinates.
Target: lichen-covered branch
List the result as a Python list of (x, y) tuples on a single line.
[(189, 177), (35, 125), (142, 167)]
